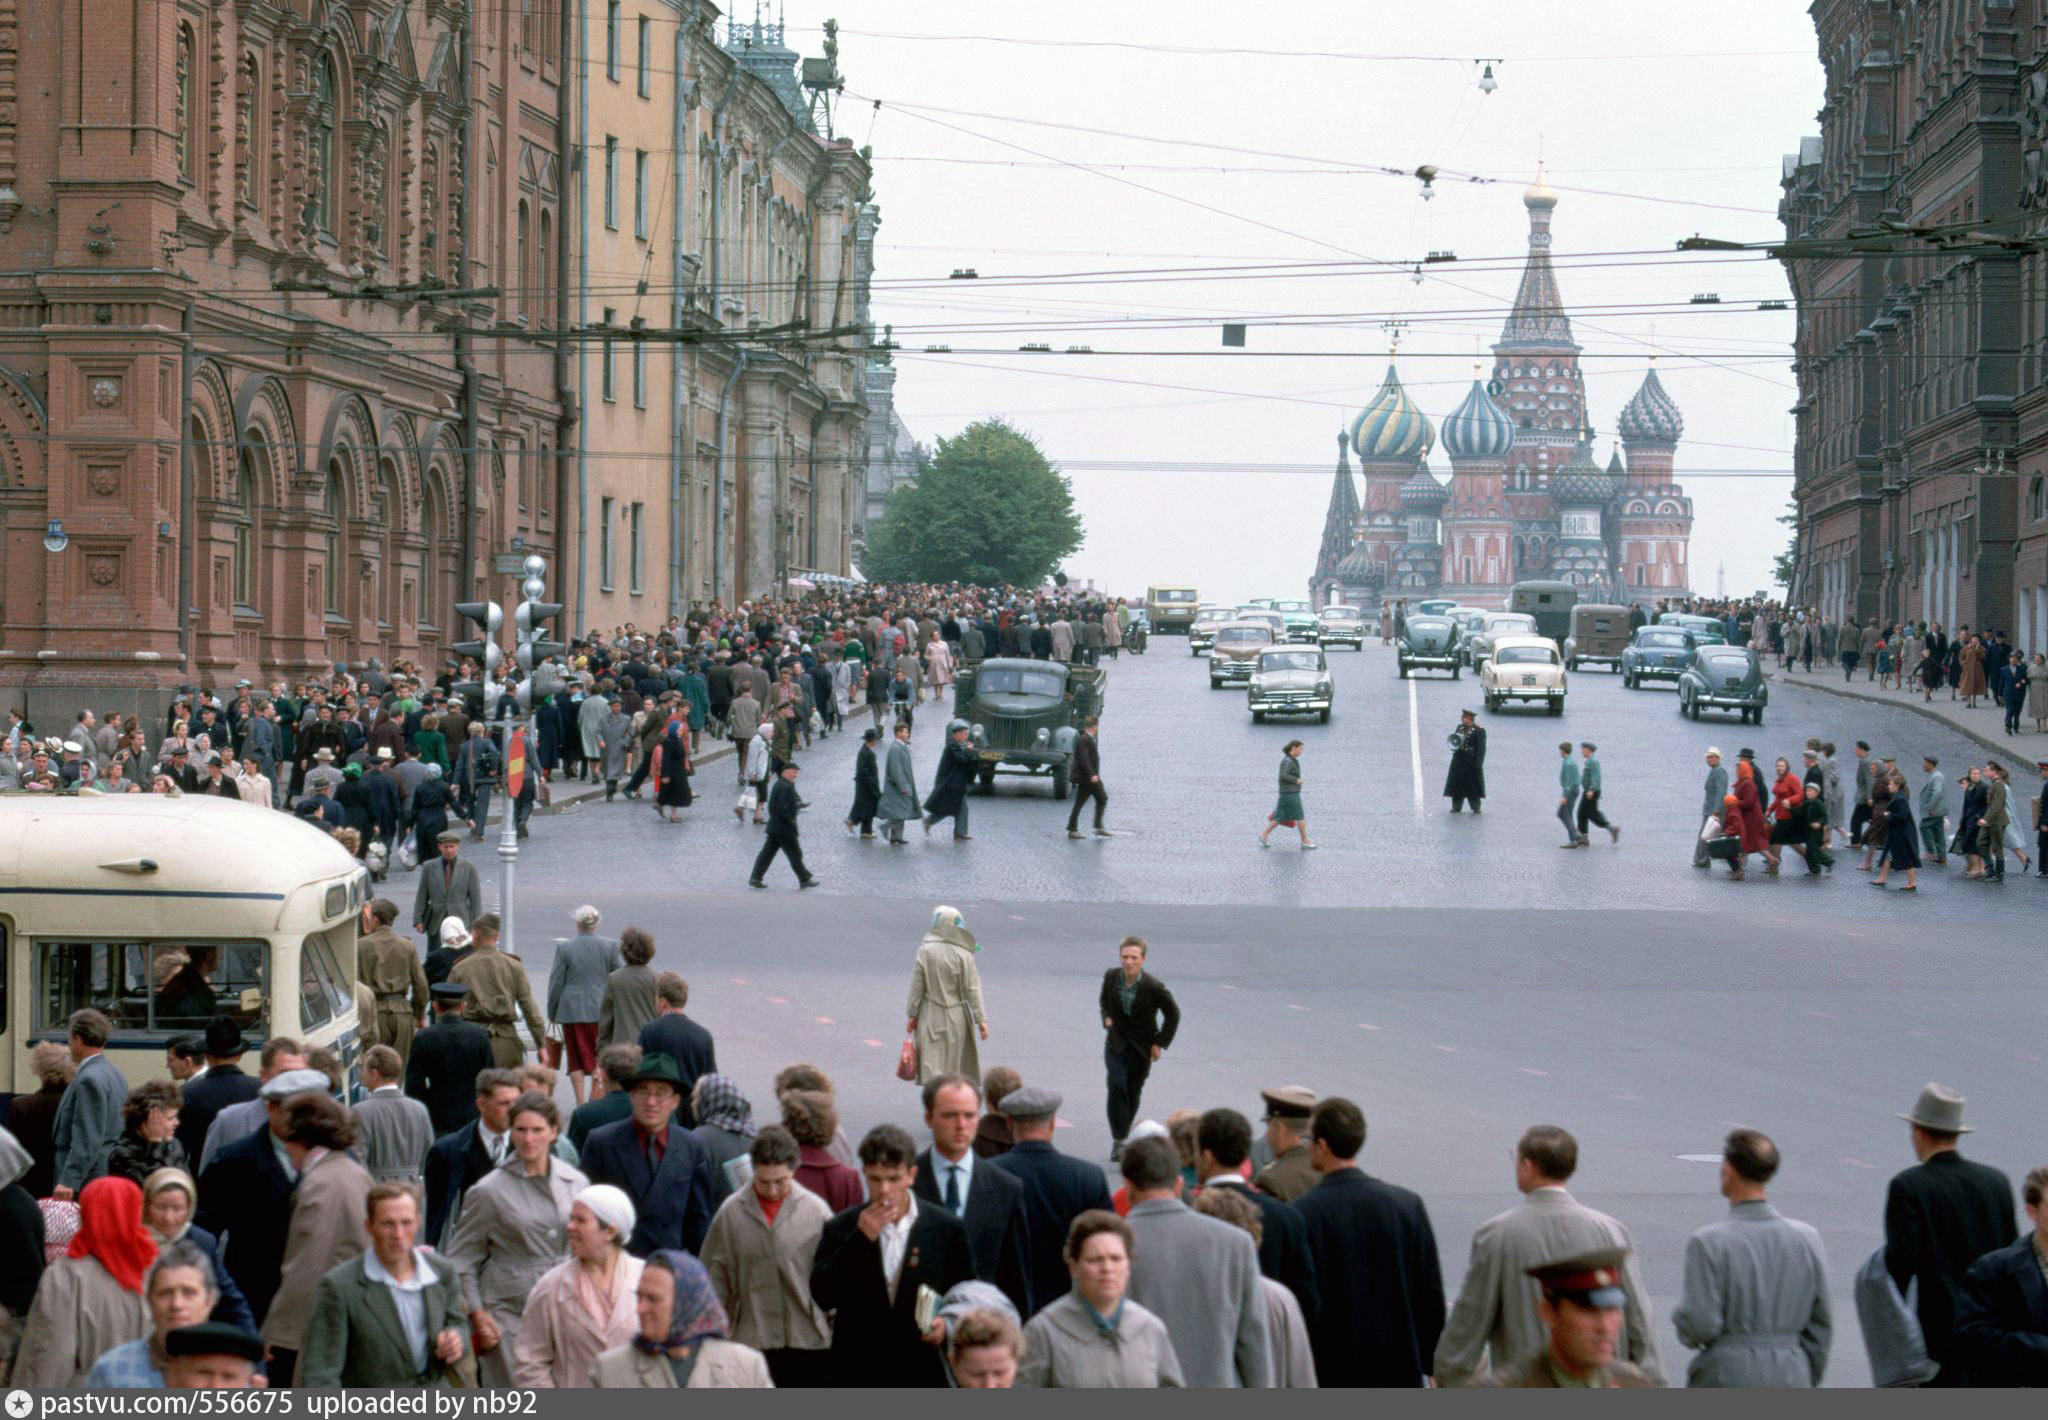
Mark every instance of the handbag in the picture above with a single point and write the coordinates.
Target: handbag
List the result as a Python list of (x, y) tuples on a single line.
[(746, 802), (906, 1059)]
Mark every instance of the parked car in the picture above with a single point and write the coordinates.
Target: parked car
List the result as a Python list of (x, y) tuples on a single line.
[(1493, 626), (1299, 618), (1291, 680), (1524, 668), (1724, 678), (1599, 635), (1202, 630), (1236, 651), (1656, 653), (1429, 644), (1342, 626)]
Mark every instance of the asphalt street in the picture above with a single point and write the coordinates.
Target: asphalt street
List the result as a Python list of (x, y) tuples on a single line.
[(1459, 976)]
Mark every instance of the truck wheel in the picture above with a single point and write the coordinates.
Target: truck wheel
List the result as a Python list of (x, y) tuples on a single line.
[(1258, 717), (1404, 670), (988, 778), (1324, 716), (1757, 717), (1059, 781)]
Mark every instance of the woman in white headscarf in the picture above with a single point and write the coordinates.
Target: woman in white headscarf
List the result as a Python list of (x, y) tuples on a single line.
[(945, 1000), (758, 757), (585, 1305)]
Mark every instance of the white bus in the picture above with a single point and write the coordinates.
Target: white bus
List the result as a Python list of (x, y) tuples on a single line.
[(166, 912)]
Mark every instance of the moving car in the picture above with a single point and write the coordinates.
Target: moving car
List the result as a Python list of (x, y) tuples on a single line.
[(1599, 634), (1724, 678), (1469, 619), (1706, 630), (1299, 618), (1171, 608), (1236, 652), (1202, 630), (1024, 715), (1524, 668), (1435, 606), (1492, 626), (1656, 653), (1550, 603), (1342, 626), (1267, 616), (1429, 644), (1291, 680)]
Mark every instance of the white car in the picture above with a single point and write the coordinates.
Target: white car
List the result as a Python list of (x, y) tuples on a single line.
[(1341, 626), (1525, 668), (1291, 680), (1493, 627)]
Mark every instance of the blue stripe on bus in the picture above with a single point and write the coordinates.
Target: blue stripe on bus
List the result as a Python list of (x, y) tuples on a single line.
[(144, 892)]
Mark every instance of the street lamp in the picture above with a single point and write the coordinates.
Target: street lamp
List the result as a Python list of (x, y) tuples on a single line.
[(1487, 83), (55, 539)]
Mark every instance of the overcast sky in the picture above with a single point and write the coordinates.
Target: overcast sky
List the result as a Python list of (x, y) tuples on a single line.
[(1212, 468)]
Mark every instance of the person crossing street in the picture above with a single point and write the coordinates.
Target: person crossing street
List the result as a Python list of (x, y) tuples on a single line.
[(1589, 796), (1141, 1018), (1716, 791), (1568, 797), (1086, 776), (783, 806)]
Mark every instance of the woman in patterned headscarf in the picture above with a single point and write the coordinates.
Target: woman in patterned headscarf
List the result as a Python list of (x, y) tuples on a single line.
[(725, 1126), (682, 1339), (90, 1299)]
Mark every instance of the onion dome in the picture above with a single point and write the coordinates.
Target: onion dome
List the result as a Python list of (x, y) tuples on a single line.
[(1391, 429), (1540, 194), (1423, 494), (1478, 428), (1651, 416), (1581, 483), (1357, 566)]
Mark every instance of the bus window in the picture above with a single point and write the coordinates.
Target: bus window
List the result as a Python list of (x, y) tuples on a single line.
[(324, 992), (155, 988)]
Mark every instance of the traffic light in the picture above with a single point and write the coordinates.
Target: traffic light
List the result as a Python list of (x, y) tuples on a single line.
[(488, 655), (534, 651)]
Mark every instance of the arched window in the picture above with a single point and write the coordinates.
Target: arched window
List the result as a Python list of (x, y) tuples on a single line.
[(321, 173), (430, 564), (528, 29), (182, 116), (335, 508), (522, 275), (2037, 498), (390, 609), (246, 465)]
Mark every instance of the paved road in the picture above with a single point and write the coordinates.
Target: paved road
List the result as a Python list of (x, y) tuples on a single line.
[(1459, 976)]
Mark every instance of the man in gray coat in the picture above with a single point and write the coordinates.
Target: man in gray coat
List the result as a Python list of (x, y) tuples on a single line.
[(1199, 1275), (1933, 813), (1756, 1285), (899, 787), (449, 887), (1497, 1308), (89, 1115), (1717, 789), (576, 982), (393, 1130)]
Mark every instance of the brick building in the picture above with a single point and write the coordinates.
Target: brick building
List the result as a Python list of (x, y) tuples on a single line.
[(1922, 419)]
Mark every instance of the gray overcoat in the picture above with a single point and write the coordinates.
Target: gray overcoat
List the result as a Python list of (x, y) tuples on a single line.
[(1756, 1301), (577, 979), (1200, 1276), (899, 785)]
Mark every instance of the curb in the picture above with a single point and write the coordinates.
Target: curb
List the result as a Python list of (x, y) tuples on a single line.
[(2001, 746), (582, 791)]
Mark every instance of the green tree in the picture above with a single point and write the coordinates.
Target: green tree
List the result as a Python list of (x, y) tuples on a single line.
[(1785, 563), (988, 509)]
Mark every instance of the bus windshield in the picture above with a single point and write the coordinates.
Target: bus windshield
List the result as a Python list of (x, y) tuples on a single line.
[(156, 988), (324, 992)]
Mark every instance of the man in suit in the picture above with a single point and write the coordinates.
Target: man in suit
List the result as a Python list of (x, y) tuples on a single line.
[(359, 1334), (280, 1054), (245, 1194), (872, 1261), (988, 1202), (89, 1116), (393, 1130), (458, 1160), (1085, 774), (1496, 1316), (1140, 1016), (614, 1064), (446, 1058), (220, 1084), (449, 887), (2002, 1303), (1057, 1189), (1198, 1275), (783, 805), (1223, 1143), (662, 1167), (1376, 1263), (681, 1039), (1940, 1216)]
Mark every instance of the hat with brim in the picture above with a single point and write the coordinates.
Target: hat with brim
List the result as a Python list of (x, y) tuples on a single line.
[(448, 991), (384, 753), (447, 835), (1939, 1110), (1289, 1101), (323, 754), (1592, 1279), (656, 1069)]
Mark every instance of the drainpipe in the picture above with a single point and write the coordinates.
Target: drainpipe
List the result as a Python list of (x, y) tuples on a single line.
[(719, 149), (465, 350), (187, 503), (569, 425), (739, 366), (678, 432), (811, 529)]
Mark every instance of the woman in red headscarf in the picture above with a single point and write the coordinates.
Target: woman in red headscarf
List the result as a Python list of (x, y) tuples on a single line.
[(90, 1299), (1750, 816)]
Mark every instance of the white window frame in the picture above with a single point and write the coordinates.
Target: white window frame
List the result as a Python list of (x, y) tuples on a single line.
[(611, 182), (604, 544)]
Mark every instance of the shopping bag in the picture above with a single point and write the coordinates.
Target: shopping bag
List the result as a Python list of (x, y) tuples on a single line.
[(746, 801), (906, 1059)]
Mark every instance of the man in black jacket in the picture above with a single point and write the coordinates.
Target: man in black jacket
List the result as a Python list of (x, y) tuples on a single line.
[(446, 1058), (874, 1258), (1940, 1216), (1223, 1143), (2002, 1304), (1057, 1188), (219, 1085), (460, 1159), (245, 1200), (674, 1034), (988, 1202), (1141, 1016), (783, 805), (867, 785), (1085, 774)]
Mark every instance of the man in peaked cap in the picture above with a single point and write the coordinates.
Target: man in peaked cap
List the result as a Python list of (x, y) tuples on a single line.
[(1291, 1173), (1057, 1188), (1582, 1308), (446, 1058)]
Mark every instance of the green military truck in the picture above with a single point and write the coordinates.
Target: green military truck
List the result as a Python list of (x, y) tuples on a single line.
[(1025, 715)]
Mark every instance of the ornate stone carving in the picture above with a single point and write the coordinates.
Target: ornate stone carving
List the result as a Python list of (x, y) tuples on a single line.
[(106, 392), (104, 480), (2033, 106), (104, 568)]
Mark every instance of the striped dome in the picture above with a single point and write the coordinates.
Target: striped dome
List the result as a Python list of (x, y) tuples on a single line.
[(1391, 429), (1651, 416), (1478, 428), (1422, 493)]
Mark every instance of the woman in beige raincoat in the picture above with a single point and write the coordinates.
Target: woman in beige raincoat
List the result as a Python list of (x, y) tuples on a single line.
[(945, 1000)]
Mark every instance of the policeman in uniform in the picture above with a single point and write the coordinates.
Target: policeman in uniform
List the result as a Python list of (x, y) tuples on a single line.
[(389, 966), (1582, 1309), (498, 994), (1290, 1174), (446, 1059)]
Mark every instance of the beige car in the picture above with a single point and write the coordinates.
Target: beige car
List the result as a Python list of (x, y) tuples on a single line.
[(1235, 655), (1525, 668)]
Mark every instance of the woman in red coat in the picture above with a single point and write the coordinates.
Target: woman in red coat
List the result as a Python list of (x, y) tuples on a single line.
[(1787, 823), (1750, 812)]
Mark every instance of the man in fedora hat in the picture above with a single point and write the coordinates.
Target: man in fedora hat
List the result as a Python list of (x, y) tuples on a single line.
[(661, 1166), (1940, 1216)]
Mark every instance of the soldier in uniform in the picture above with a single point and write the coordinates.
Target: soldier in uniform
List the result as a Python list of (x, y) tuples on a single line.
[(389, 966), (446, 1059), (1582, 1309), (499, 994), (1290, 1174)]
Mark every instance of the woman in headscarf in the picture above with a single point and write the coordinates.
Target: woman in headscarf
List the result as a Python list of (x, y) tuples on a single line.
[(681, 1341), (758, 758), (945, 999), (725, 1126), (90, 1300), (1749, 820), (167, 1202), (586, 1305), (671, 771), (512, 1231)]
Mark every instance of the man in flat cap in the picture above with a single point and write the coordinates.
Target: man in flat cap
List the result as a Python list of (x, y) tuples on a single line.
[(1057, 1188), (1582, 1306), (1292, 1173), (449, 887), (211, 1356), (446, 1059)]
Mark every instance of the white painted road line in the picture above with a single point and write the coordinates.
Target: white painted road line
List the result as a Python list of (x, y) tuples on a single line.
[(1415, 748)]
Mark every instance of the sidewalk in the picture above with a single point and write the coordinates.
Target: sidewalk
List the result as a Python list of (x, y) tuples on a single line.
[(1985, 724), (567, 793)]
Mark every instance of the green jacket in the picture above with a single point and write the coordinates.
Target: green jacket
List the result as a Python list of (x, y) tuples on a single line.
[(1589, 775), (1568, 776)]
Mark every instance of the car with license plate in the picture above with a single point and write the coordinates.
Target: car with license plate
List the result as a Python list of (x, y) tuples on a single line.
[(1202, 630), (1492, 626), (1341, 626), (1291, 680), (1024, 715), (1656, 653), (1429, 643), (1299, 618), (1524, 668), (1236, 652), (1600, 634), (1724, 678)]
